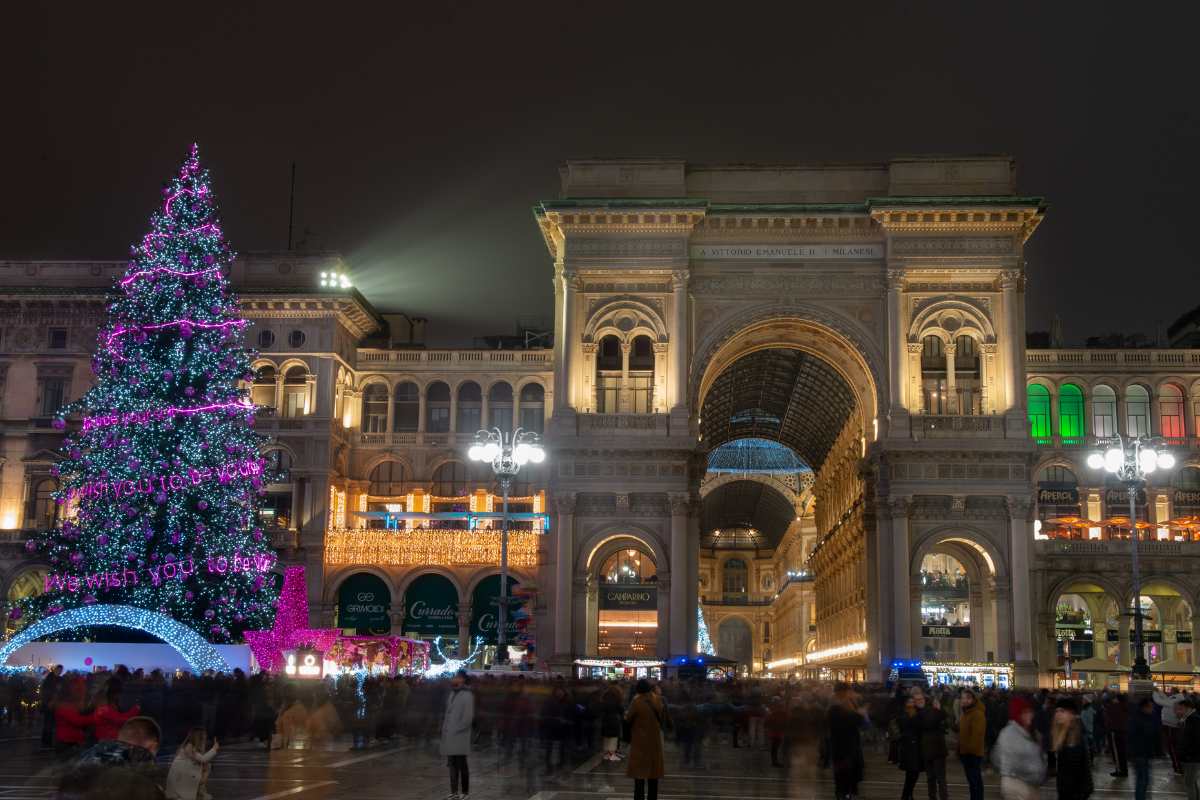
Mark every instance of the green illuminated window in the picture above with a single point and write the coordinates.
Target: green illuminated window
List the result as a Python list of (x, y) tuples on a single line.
[(1070, 411), (1039, 411)]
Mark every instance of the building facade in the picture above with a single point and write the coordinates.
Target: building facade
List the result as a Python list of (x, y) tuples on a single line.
[(796, 398)]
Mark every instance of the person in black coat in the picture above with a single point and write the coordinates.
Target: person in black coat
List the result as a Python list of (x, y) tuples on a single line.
[(611, 714), (933, 746), (1068, 742), (907, 735), (1143, 736), (845, 724)]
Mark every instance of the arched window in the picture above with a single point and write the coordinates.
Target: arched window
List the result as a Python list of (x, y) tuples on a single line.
[(1038, 398), (1137, 411), (1104, 411), (500, 406), (608, 375), (295, 391), (641, 375), (735, 579), (451, 480), (387, 480), (437, 408), (1170, 412), (470, 403), (280, 462), (406, 410), (262, 393), (1070, 412), (375, 405), (628, 566), (933, 375), (42, 511), (533, 407)]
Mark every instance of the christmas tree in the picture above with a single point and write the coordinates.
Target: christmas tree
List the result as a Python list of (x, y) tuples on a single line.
[(162, 479), (703, 643)]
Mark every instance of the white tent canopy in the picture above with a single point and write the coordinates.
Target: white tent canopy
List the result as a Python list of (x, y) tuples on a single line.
[(1097, 665)]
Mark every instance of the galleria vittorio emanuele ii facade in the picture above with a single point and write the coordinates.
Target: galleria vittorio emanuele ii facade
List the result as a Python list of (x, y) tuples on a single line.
[(793, 404)]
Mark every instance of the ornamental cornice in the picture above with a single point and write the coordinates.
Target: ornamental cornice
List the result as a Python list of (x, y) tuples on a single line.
[(352, 314), (834, 284), (1019, 220)]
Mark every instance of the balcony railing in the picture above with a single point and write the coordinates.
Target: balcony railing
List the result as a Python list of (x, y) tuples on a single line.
[(536, 359), (415, 439), (1107, 359), (620, 424), (955, 426), (1097, 547)]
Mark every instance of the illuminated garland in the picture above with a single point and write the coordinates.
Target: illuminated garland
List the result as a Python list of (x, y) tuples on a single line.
[(452, 665), (199, 654), (160, 414), (426, 546)]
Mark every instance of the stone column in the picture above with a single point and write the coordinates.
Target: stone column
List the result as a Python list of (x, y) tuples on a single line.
[(1013, 346), (279, 394), (1004, 623), (588, 400), (464, 630), (421, 410), (660, 378), (901, 579), (391, 408), (679, 339), (679, 574), (568, 286), (951, 389), (485, 410), (310, 394), (897, 336), (916, 401), (692, 590), (1125, 652), (453, 414), (987, 378), (1020, 535), (625, 403), (564, 574)]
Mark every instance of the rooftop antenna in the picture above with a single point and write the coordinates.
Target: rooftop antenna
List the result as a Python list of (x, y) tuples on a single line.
[(291, 206)]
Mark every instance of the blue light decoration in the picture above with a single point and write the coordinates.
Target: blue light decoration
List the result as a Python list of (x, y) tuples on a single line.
[(703, 640), (452, 665), (194, 648), (755, 456)]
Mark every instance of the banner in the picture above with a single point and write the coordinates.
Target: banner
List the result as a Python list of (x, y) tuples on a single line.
[(629, 597), (485, 611), (946, 631), (431, 607), (365, 604)]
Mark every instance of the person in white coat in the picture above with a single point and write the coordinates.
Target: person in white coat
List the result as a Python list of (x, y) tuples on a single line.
[(456, 734), (1018, 755), (188, 776)]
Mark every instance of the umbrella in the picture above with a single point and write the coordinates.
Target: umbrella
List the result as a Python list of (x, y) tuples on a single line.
[(1123, 522)]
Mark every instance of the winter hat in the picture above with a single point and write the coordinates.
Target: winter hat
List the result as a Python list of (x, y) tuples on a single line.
[(1017, 706)]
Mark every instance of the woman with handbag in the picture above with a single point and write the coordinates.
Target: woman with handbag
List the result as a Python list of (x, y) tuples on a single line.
[(646, 717)]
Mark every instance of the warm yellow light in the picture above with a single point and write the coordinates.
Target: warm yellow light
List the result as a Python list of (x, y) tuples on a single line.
[(429, 546), (837, 652), (783, 662), (626, 624), (9, 521)]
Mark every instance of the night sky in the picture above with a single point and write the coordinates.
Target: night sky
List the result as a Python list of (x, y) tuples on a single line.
[(423, 133)]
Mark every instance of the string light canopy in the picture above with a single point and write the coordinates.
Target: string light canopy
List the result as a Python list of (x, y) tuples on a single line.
[(406, 548)]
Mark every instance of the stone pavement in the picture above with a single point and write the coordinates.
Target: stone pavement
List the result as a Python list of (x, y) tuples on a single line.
[(413, 770)]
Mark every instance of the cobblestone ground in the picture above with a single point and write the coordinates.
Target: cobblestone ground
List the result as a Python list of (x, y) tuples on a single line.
[(408, 769)]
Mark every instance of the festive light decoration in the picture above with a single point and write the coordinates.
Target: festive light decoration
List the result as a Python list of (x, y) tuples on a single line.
[(429, 546), (166, 469), (290, 630), (449, 666), (704, 643), (854, 648), (199, 654)]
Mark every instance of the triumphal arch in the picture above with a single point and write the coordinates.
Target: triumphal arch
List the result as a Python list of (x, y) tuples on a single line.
[(865, 321)]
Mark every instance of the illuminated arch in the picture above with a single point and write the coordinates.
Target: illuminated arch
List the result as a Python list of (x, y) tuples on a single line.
[(195, 649)]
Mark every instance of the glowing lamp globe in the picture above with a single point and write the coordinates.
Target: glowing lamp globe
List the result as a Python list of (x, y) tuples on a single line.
[(1095, 461), (1148, 460), (1165, 460), (1113, 459)]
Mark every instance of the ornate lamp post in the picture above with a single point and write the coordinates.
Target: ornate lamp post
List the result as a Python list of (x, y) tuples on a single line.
[(1131, 460), (507, 454)]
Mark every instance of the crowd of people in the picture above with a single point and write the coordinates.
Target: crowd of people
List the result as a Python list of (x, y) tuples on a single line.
[(159, 735)]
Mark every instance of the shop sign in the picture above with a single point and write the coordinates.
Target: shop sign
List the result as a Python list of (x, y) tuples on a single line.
[(946, 631), (1183, 637), (431, 607), (1055, 494), (485, 608), (1187, 499), (629, 597), (1117, 501), (1147, 636), (364, 603)]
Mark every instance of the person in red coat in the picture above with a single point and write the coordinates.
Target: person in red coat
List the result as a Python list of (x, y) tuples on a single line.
[(70, 722), (108, 716)]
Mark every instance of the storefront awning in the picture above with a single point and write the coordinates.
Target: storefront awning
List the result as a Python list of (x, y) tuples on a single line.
[(1095, 665)]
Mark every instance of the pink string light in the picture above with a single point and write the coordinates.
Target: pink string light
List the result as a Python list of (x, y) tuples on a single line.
[(159, 414), (122, 330), (210, 227), (128, 279)]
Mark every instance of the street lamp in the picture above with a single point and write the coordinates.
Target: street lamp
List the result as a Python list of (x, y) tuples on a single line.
[(507, 454), (1131, 460)]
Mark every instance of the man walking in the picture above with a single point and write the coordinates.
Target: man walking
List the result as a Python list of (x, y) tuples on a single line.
[(47, 694), (456, 734), (972, 726), (1143, 734)]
